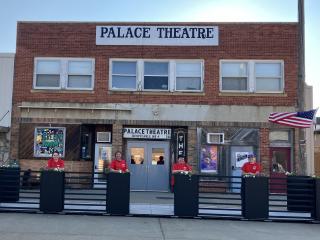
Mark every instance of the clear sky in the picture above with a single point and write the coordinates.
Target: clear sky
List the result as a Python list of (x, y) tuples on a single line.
[(12, 11)]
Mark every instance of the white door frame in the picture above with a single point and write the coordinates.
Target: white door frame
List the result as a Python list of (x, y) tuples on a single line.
[(99, 158)]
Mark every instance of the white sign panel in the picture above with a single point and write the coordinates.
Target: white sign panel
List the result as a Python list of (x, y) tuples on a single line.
[(158, 35), (241, 158), (147, 133)]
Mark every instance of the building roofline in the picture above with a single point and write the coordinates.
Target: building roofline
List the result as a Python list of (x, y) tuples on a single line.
[(7, 55), (151, 22)]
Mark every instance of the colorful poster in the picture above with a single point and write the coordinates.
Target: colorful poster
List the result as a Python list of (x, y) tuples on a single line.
[(48, 140), (241, 158), (209, 159)]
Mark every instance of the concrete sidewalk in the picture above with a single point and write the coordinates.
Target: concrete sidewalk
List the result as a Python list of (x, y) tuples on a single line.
[(15, 226)]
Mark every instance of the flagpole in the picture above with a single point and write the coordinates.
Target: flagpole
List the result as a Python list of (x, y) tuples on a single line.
[(301, 163)]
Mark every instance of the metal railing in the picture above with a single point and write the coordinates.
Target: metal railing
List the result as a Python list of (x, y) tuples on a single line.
[(288, 198), (220, 196)]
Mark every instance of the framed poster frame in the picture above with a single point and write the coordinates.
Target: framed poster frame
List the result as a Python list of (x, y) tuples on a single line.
[(44, 146)]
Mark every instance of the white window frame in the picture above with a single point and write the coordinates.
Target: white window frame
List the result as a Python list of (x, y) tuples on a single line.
[(281, 62), (201, 74), (64, 74), (155, 61), (251, 75), (35, 72), (111, 60), (140, 74), (234, 61)]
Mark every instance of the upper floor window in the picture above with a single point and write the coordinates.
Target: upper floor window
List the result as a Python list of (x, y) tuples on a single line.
[(234, 76), (48, 73), (64, 73), (268, 77), (189, 76), (124, 75), (156, 75), (251, 76)]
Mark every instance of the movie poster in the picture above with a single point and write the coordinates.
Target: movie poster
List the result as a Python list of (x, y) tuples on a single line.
[(241, 158), (209, 159)]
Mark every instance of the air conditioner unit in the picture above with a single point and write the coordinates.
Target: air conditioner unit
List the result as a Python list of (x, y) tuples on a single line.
[(103, 136), (215, 138)]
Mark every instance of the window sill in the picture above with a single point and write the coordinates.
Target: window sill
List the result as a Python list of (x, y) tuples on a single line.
[(246, 94), (157, 93), (60, 91)]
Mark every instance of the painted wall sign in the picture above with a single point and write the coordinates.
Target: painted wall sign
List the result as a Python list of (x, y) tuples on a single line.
[(147, 133), (158, 35)]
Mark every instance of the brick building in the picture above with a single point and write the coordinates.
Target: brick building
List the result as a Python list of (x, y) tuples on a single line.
[(199, 90)]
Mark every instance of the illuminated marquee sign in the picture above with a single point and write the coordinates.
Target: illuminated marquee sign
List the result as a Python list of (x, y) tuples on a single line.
[(157, 35)]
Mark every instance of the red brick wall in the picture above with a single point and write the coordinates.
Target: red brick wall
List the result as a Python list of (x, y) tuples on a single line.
[(236, 41), (264, 150)]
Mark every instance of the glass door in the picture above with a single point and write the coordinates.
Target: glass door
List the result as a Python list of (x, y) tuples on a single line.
[(279, 165), (102, 159), (137, 162), (239, 156), (148, 163), (158, 166)]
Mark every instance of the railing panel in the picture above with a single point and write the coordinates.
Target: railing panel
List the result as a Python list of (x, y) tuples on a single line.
[(219, 196)]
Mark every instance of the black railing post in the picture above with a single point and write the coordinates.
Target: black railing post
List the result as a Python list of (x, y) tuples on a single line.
[(255, 197), (118, 193), (52, 191), (186, 195), (9, 184)]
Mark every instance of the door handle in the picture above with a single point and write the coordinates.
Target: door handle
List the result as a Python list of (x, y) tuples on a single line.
[(232, 167)]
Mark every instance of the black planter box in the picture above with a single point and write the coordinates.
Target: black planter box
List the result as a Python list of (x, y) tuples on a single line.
[(255, 197), (118, 193), (316, 212), (9, 184), (186, 195), (300, 193), (51, 191)]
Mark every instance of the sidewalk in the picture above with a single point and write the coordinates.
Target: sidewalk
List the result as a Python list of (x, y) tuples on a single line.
[(82, 227)]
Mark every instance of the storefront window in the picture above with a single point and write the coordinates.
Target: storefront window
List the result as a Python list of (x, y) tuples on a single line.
[(86, 145), (48, 140)]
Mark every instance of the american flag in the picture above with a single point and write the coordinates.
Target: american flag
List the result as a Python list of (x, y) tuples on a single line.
[(293, 119)]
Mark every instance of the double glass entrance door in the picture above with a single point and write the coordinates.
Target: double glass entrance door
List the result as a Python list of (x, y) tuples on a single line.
[(148, 163)]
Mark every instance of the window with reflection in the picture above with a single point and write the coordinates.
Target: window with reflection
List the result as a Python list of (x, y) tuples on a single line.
[(137, 156), (279, 162), (156, 76), (158, 156)]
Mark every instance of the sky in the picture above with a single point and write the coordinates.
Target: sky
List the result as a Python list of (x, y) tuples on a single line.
[(12, 11)]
